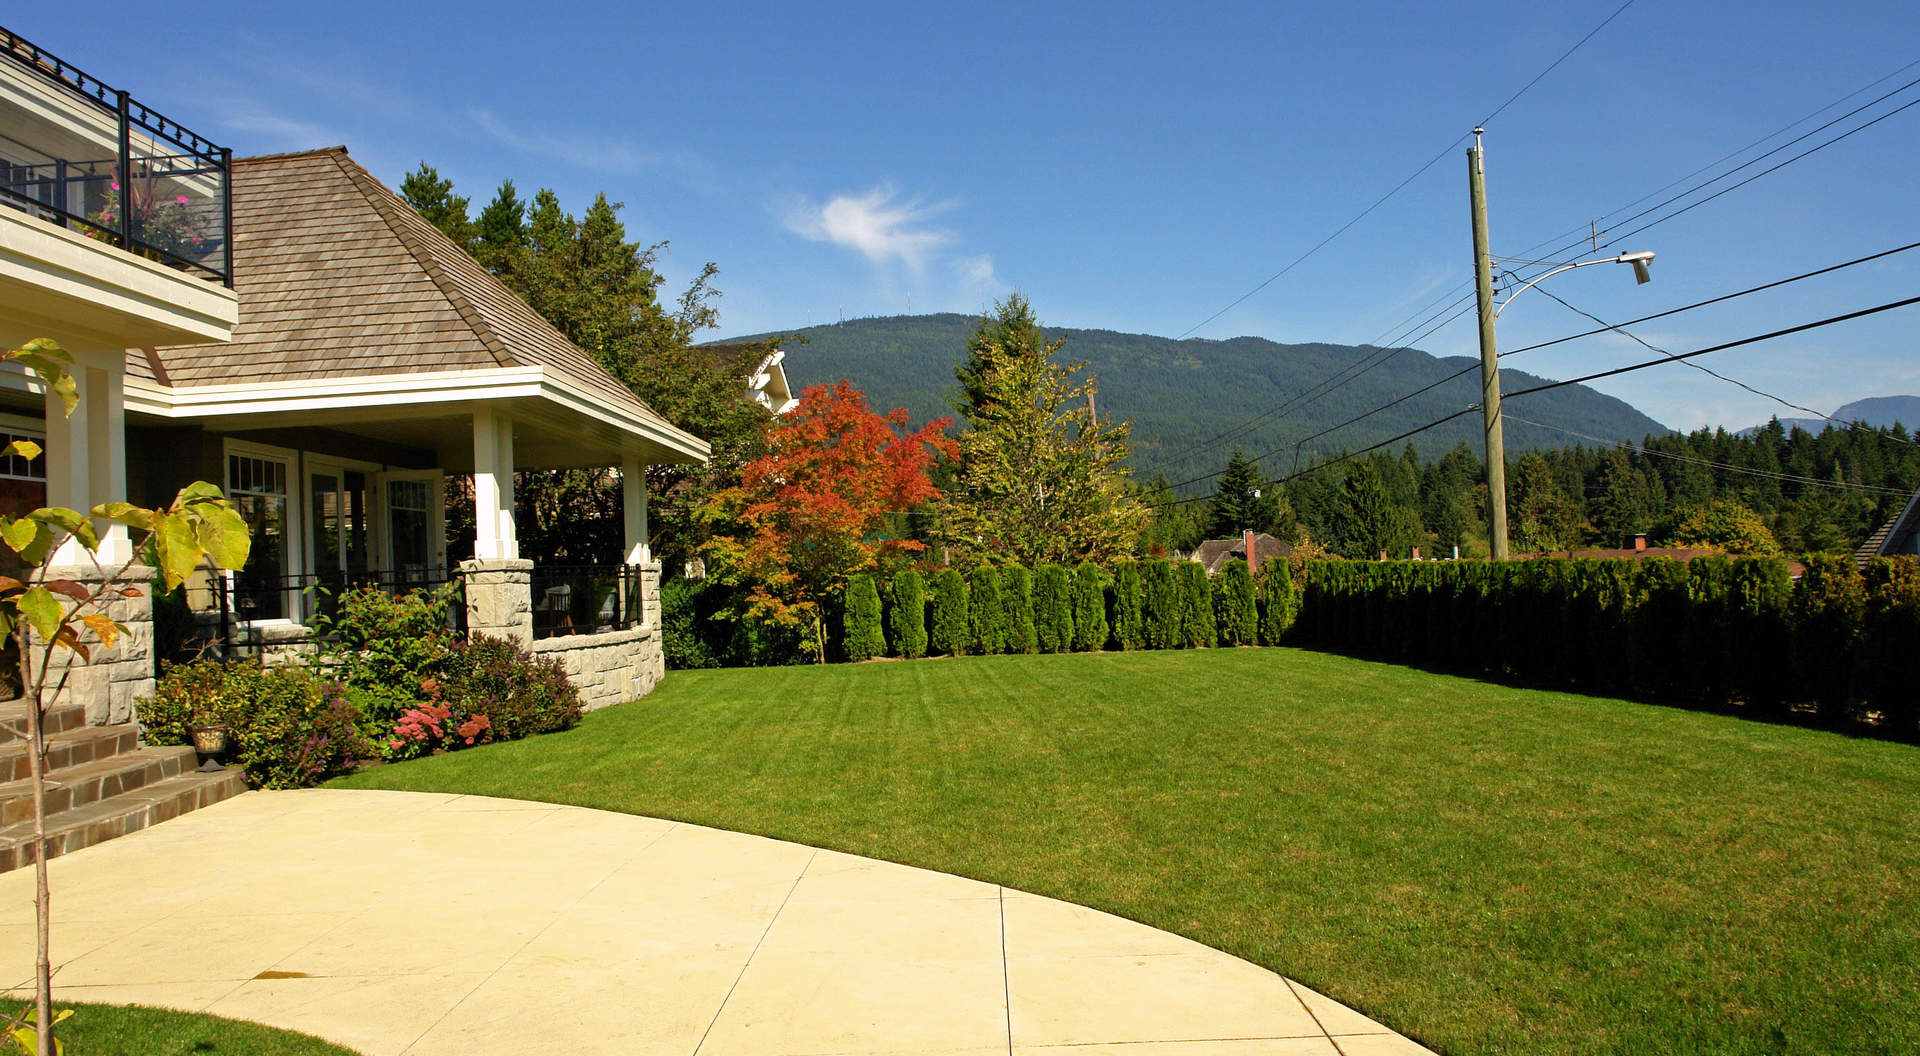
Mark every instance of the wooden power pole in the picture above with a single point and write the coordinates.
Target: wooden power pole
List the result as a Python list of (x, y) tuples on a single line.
[(1489, 352)]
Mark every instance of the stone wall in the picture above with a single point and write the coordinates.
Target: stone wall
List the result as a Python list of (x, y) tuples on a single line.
[(116, 675), (609, 668), (499, 598)]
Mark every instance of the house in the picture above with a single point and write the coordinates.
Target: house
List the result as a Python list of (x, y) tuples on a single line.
[(288, 328), (1898, 536), (763, 371), (1215, 553)]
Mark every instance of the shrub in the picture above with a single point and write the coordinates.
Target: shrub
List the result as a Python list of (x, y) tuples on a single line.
[(950, 632), (1278, 603), (1089, 608), (373, 638), (1022, 635), (863, 639), (687, 622), (1829, 610), (519, 694), (1660, 623), (1197, 630), (1129, 628), (986, 612), (1891, 640), (1759, 642), (1709, 582), (907, 620), (1053, 609), (290, 728), (1160, 592), (1234, 613)]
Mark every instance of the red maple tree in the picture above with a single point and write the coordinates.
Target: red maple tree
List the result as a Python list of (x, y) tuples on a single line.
[(811, 512)]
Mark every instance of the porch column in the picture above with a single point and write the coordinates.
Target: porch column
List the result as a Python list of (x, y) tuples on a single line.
[(494, 536), (106, 423), (633, 497), (499, 585), (70, 460)]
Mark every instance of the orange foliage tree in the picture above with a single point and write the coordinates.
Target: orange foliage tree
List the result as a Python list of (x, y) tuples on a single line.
[(811, 511)]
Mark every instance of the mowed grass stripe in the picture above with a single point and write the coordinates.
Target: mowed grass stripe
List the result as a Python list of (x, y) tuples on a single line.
[(1489, 869)]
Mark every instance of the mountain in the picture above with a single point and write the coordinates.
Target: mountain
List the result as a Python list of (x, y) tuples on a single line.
[(1180, 394), (1877, 411)]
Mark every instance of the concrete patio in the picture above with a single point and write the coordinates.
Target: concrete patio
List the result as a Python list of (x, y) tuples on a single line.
[(424, 924)]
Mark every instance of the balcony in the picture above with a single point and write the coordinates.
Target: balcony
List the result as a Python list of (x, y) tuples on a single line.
[(97, 162)]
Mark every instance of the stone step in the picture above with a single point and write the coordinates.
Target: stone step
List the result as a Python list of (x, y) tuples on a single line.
[(70, 748), (13, 716), (77, 786), (131, 811)]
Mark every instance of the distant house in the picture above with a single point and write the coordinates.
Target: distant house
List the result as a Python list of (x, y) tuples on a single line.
[(764, 373), (1898, 536), (1215, 553)]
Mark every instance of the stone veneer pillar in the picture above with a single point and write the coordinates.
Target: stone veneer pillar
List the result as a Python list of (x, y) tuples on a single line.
[(117, 675), (653, 661), (499, 598)]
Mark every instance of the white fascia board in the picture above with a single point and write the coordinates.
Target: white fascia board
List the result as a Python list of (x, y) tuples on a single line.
[(568, 393)]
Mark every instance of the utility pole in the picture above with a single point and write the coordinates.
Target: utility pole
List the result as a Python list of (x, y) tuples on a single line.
[(1489, 354)]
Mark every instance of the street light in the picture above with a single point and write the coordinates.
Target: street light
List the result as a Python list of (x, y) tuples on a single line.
[(1489, 354)]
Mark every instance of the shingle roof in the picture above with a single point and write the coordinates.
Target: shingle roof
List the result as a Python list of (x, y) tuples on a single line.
[(1891, 536), (339, 277), (1214, 553)]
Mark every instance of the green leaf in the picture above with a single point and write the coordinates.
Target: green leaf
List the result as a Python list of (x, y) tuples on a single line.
[(26, 449), (73, 522), (198, 491), (42, 610), (6, 624), (28, 538), (55, 377), (48, 347), (176, 548), (222, 533), (126, 513)]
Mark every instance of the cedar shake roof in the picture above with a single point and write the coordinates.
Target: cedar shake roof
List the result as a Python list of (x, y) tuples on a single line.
[(338, 277), (1214, 553), (1894, 536)]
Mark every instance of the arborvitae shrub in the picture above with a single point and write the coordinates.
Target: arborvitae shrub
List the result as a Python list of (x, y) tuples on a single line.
[(908, 618), (1196, 607), (1278, 603), (950, 633), (1891, 632), (1053, 609), (1761, 591), (1160, 590), (1089, 608), (986, 613), (1659, 633), (1709, 636), (1129, 630), (861, 620), (1021, 636), (1234, 613), (1829, 608)]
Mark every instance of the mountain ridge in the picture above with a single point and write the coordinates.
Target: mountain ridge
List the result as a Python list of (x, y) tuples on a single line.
[(1181, 395)]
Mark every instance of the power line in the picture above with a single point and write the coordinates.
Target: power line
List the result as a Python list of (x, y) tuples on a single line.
[(1398, 187), (1673, 357)]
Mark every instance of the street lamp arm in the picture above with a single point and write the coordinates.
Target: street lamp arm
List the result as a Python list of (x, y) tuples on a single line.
[(1639, 260)]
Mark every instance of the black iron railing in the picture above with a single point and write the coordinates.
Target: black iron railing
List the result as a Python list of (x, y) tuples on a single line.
[(152, 187), (585, 599)]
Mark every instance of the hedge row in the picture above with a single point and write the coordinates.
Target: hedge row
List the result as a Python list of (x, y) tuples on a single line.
[(1714, 631), (1053, 609)]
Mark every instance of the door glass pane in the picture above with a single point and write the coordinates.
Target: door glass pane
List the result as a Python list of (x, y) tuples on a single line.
[(354, 506), (258, 489), (407, 511), (328, 528)]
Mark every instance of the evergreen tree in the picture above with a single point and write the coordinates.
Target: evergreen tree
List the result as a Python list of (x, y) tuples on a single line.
[(433, 198), (1236, 617), (951, 633), (1039, 479), (500, 234), (1160, 589), (1129, 628), (1089, 608), (1022, 635), (1368, 518), (861, 620), (908, 619), (986, 613), (1244, 500), (1197, 630), (1278, 602), (1053, 608)]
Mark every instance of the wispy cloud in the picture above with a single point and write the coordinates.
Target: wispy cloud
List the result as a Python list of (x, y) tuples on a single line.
[(878, 223), (588, 152)]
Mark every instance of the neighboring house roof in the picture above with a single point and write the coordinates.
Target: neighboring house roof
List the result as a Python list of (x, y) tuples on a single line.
[(1898, 536), (339, 278), (1215, 553), (763, 371)]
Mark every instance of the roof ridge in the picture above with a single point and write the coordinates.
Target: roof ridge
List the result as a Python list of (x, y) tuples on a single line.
[(378, 198)]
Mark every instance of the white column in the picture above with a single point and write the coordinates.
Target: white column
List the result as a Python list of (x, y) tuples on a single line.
[(69, 462), (493, 530), (633, 498), (107, 455)]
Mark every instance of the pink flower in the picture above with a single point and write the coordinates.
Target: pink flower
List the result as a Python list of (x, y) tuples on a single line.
[(182, 199), (115, 186)]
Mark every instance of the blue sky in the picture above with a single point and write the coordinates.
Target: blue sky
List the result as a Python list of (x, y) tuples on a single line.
[(1130, 166)]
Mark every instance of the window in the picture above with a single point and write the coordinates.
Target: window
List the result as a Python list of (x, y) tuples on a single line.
[(14, 467), (257, 485), (410, 520)]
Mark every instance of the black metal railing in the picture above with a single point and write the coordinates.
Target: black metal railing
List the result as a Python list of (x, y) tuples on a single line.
[(245, 603), (585, 599), (156, 188)]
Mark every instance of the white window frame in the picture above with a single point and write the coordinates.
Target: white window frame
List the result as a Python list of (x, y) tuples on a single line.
[(296, 526), (436, 516), (22, 426), (311, 464)]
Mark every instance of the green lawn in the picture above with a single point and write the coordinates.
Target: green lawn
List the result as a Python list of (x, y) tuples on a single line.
[(1488, 869), (132, 1030)]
